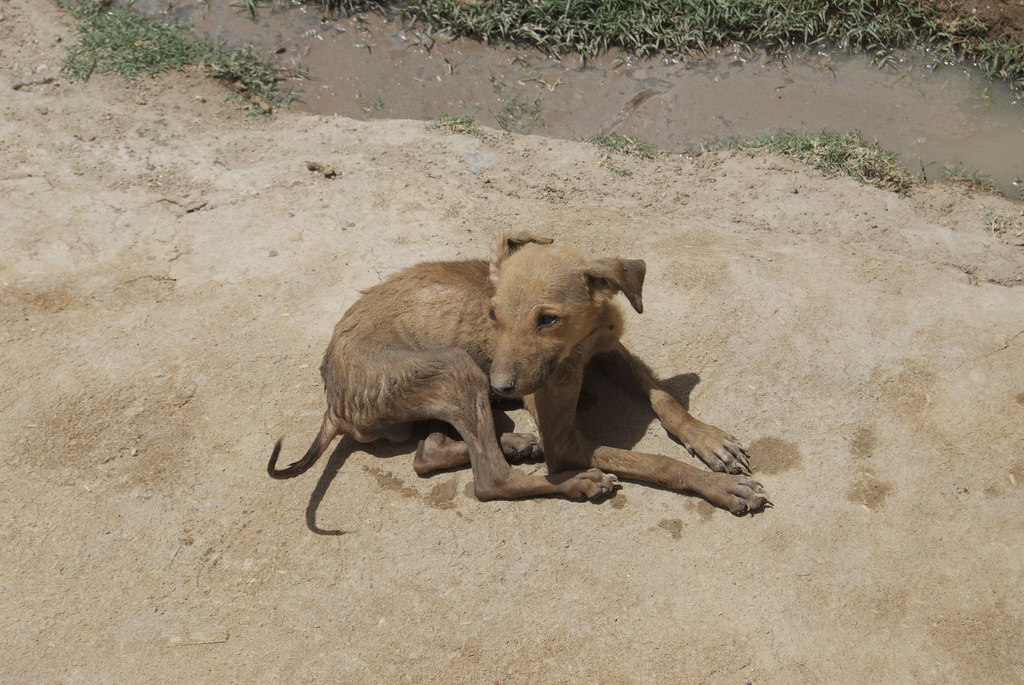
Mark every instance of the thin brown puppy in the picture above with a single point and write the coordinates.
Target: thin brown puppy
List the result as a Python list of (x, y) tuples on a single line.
[(433, 342)]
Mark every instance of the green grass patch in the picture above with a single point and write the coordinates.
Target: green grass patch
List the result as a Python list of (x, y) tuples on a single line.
[(607, 163), (119, 40), (847, 154), (518, 116), (974, 178), (614, 142), (456, 124), (648, 27), (1009, 228), (368, 106)]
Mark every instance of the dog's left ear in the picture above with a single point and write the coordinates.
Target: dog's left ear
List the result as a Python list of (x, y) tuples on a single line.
[(508, 244), (614, 275)]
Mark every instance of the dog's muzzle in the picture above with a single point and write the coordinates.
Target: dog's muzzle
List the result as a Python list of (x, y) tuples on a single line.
[(507, 388)]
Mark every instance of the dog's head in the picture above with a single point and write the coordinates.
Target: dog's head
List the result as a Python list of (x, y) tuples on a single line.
[(547, 299)]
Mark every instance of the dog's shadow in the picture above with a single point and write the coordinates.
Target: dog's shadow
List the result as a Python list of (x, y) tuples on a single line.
[(334, 463), (608, 414), (342, 451)]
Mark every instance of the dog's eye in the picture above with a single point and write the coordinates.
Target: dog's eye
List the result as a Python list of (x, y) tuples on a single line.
[(490, 313), (547, 320)]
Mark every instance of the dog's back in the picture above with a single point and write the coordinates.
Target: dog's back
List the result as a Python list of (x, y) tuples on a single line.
[(430, 306)]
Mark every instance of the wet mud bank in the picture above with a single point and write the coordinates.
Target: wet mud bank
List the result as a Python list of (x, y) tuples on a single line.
[(937, 117)]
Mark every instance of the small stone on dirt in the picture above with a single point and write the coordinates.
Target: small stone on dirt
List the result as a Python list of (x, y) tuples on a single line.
[(326, 169), (33, 80)]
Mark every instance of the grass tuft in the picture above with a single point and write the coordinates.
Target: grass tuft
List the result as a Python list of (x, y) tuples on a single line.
[(121, 41), (1007, 228), (974, 178), (518, 116), (630, 146), (456, 124), (118, 40), (847, 154), (607, 163), (613, 142)]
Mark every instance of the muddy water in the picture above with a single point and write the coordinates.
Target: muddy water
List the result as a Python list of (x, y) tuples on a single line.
[(369, 68)]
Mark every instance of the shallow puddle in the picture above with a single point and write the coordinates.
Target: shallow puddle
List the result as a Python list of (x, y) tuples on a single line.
[(369, 67)]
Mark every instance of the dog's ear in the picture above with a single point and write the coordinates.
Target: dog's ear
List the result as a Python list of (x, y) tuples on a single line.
[(508, 244), (614, 275)]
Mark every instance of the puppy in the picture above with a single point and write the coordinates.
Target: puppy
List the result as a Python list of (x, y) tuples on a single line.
[(435, 341)]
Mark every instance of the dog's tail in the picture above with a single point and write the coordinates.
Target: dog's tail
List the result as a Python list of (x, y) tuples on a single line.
[(320, 443)]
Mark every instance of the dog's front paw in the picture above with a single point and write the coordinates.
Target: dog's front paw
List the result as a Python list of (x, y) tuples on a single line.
[(589, 484), (520, 446), (716, 448), (738, 494)]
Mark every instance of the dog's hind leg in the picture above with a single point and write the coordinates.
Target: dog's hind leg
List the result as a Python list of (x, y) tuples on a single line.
[(371, 390), (438, 451), (716, 448)]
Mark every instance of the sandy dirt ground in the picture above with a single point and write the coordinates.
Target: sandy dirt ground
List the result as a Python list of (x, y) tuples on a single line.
[(1000, 20), (170, 273)]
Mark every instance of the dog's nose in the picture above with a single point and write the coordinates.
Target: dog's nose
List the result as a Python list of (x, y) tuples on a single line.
[(504, 386)]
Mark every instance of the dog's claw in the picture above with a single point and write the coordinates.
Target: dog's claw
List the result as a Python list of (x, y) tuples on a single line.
[(604, 489), (521, 446), (716, 448), (739, 494), (590, 484), (741, 457)]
